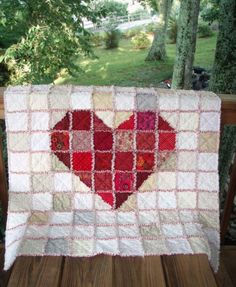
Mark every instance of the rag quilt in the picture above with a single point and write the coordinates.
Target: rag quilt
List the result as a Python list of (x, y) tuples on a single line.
[(119, 171)]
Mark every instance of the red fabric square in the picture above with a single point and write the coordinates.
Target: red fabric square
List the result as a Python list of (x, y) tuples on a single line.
[(63, 124), (64, 157), (60, 141), (85, 177), (81, 120), (124, 161), (103, 181), (167, 141), (124, 181), (146, 120), (145, 161), (82, 161), (145, 141), (102, 141), (103, 160), (108, 197)]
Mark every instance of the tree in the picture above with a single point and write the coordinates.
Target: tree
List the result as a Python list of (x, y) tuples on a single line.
[(224, 71), (54, 34), (186, 44), (158, 48)]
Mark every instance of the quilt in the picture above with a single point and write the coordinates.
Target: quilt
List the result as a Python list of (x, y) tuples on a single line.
[(112, 170)]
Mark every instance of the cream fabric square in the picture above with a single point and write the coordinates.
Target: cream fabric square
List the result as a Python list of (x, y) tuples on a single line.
[(187, 160), (208, 181), (42, 182), (149, 184), (40, 142), (19, 202), (19, 162), (166, 180), (187, 199), (78, 185), (188, 121), (17, 122), (56, 117), (186, 180), (147, 200), (208, 161), (39, 121), (42, 201), (16, 102), (209, 121), (169, 101), (62, 181), (107, 117), (187, 140), (82, 247), (38, 101), (121, 117), (128, 231), (124, 101), (103, 100), (148, 217), (167, 200), (32, 247), (83, 201), (208, 200), (18, 141), (40, 162), (59, 100), (81, 100), (37, 231), (19, 182)]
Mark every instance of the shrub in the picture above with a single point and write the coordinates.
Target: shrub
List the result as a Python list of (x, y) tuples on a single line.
[(204, 30), (141, 41), (97, 39), (112, 38), (151, 28), (132, 32)]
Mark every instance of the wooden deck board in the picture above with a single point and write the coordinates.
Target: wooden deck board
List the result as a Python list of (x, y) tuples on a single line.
[(188, 270), (36, 272), (229, 259), (87, 272)]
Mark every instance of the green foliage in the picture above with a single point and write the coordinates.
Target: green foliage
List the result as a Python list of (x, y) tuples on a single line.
[(113, 8), (204, 30), (153, 4), (4, 74), (55, 34), (97, 39), (132, 32), (141, 41), (151, 27), (112, 38), (209, 10)]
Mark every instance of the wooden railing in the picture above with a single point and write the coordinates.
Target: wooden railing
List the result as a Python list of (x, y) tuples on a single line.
[(228, 117)]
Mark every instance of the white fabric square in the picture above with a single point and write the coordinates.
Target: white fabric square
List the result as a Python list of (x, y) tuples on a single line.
[(81, 100), (40, 162), (19, 182), (209, 121), (146, 200), (16, 102), (86, 231), (42, 201), (108, 246), (208, 161), (210, 102), (83, 201), (188, 121), (19, 162), (208, 181), (124, 101), (62, 181), (208, 200), (126, 217), (188, 101), (172, 230), (186, 180), (104, 232), (39, 121), (169, 102), (148, 217), (105, 217), (40, 142), (37, 231), (178, 245), (131, 246), (128, 231), (166, 180), (192, 229), (17, 219), (17, 122), (187, 140), (167, 200), (62, 218), (59, 231)]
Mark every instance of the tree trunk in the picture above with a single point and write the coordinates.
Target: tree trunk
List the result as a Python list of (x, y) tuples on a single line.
[(158, 48), (223, 77), (186, 44)]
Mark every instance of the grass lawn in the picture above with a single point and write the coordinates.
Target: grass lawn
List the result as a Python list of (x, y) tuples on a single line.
[(125, 66)]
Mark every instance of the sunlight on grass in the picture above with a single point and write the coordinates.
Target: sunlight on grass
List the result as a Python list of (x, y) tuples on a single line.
[(126, 66)]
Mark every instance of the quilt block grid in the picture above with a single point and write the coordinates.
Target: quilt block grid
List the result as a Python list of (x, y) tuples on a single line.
[(127, 171)]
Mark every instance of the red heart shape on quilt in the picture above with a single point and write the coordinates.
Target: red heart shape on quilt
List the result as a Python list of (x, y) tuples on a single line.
[(113, 162)]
